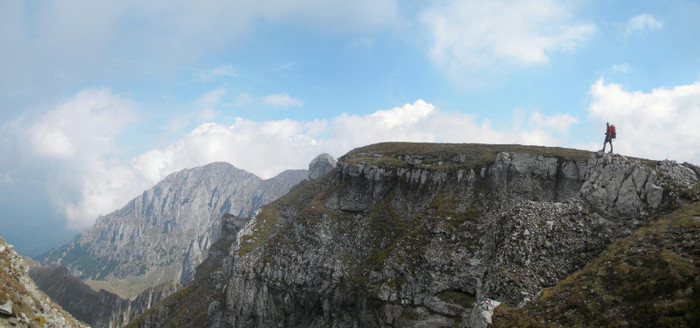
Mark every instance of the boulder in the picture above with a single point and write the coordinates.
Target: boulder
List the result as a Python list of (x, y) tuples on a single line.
[(321, 165), (482, 312), (6, 308)]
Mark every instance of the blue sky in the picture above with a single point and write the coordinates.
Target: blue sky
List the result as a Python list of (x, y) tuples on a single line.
[(102, 100)]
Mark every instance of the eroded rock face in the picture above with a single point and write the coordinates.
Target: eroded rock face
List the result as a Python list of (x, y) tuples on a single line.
[(164, 234), (625, 188), (321, 165), (431, 242)]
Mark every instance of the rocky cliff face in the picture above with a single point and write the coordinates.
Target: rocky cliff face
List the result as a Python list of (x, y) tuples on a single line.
[(321, 165), (22, 304), (648, 279), (189, 306), (162, 235), (99, 309), (427, 235)]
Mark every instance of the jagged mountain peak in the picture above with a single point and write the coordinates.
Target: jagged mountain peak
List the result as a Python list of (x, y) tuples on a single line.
[(164, 233)]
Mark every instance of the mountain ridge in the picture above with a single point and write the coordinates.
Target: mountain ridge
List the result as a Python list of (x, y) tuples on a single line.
[(409, 234), (162, 234)]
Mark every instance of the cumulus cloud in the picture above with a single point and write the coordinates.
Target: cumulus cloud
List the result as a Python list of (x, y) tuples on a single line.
[(657, 124), (472, 35), (281, 100), (82, 126), (74, 142), (641, 24)]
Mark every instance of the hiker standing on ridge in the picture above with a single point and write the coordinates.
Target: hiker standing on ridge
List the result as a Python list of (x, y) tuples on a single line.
[(609, 136)]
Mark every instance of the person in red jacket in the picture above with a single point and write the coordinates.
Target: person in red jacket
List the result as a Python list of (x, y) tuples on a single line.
[(609, 135)]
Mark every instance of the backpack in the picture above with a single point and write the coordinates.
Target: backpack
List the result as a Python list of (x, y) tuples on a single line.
[(613, 133)]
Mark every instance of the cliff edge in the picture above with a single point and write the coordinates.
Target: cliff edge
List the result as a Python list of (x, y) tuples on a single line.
[(431, 235)]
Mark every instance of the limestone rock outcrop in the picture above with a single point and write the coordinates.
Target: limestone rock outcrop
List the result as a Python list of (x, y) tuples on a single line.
[(321, 165), (432, 235)]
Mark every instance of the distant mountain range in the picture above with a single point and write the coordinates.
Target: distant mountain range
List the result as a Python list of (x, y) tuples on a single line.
[(163, 234)]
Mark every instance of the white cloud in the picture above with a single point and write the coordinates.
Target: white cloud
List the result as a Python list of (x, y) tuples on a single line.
[(657, 124), (281, 100), (472, 35), (102, 187), (266, 148), (74, 143), (82, 127), (558, 123), (641, 24), (402, 116)]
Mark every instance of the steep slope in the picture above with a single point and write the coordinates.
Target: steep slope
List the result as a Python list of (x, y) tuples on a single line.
[(99, 309), (162, 235), (22, 304), (403, 234), (190, 305), (651, 278)]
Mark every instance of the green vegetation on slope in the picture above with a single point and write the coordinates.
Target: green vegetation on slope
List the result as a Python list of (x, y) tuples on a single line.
[(649, 279), (302, 199), (13, 289), (442, 156)]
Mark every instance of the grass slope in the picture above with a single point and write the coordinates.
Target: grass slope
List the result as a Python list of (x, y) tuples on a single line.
[(448, 156), (649, 279)]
